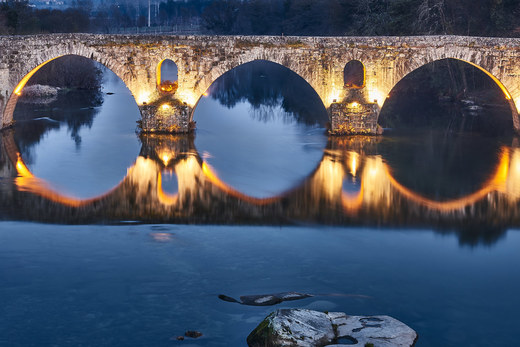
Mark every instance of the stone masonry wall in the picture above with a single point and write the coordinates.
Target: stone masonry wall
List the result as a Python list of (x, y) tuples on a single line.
[(202, 59)]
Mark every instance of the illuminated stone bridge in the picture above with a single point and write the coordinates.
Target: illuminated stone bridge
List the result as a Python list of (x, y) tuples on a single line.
[(321, 61)]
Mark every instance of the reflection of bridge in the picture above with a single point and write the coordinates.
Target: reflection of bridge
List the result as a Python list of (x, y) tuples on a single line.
[(202, 59), (202, 197)]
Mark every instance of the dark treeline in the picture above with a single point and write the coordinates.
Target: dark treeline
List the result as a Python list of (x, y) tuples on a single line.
[(275, 17), (364, 17), (18, 17)]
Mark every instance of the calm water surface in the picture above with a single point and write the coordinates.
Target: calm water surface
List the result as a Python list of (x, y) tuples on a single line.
[(420, 226)]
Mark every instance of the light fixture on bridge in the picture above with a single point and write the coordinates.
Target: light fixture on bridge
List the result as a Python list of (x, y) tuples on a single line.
[(165, 106), (354, 104), (143, 98)]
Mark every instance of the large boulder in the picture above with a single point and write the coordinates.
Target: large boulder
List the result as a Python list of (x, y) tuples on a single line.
[(306, 328)]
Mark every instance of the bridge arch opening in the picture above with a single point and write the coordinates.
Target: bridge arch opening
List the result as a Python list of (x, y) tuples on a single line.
[(450, 94), (167, 76), (10, 105), (270, 116), (73, 109), (354, 74)]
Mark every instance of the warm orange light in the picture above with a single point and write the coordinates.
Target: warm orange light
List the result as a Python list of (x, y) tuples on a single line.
[(499, 84), (164, 198), (208, 172), (29, 183), (354, 104), (23, 82), (22, 170), (165, 158), (165, 106), (353, 163), (143, 98), (495, 183)]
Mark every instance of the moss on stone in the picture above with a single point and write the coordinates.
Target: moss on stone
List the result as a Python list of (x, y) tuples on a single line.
[(261, 334)]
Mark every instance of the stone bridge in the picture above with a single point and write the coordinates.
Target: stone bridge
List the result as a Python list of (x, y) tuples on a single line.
[(320, 61)]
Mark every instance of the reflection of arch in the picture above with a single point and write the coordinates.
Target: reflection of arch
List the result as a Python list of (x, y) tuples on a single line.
[(166, 82), (26, 181), (496, 182), (466, 57), (354, 74), (164, 197), (7, 117), (381, 173), (216, 71)]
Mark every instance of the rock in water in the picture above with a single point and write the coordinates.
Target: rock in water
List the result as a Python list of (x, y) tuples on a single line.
[(266, 299), (306, 328), (293, 327), (193, 334)]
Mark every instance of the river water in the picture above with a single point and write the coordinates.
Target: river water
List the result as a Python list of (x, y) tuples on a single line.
[(111, 238)]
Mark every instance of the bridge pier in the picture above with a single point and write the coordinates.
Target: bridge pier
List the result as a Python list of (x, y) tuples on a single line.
[(165, 115), (354, 118), (354, 114)]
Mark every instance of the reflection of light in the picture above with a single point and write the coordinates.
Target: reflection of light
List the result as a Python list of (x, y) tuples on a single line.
[(164, 198), (165, 155), (513, 179), (208, 172), (165, 158), (161, 237), (205, 94), (22, 170), (27, 182), (495, 183), (329, 178), (353, 163)]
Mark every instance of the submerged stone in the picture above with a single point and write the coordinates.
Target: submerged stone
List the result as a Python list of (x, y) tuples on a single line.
[(193, 334), (306, 328), (266, 299)]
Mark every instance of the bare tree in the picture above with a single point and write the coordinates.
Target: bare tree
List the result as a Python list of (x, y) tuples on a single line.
[(431, 18)]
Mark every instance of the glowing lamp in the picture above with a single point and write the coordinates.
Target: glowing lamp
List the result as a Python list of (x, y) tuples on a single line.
[(143, 98), (165, 106)]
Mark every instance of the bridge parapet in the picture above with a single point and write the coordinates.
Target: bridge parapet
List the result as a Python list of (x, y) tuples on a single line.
[(320, 61)]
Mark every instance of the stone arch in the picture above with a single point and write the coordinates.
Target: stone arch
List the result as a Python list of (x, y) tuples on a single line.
[(354, 74), (166, 84), (221, 71), (31, 67), (304, 72), (473, 58)]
